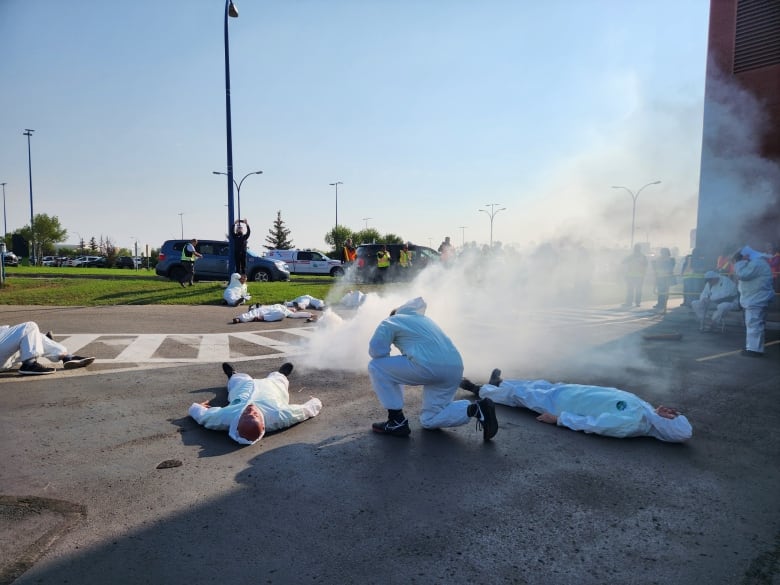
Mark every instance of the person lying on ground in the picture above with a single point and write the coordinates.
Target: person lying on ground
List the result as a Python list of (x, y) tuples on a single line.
[(593, 409), (277, 312), (306, 301), (256, 407), (236, 292), (24, 343)]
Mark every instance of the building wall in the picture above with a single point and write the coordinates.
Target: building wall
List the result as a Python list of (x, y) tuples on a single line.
[(739, 191)]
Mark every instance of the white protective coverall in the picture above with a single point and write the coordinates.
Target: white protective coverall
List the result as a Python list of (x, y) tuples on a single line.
[(428, 359), (236, 291), (306, 301), (592, 409), (723, 296), (271, 313), (352, 299), (270, 395), (19, 343), (755, 294)]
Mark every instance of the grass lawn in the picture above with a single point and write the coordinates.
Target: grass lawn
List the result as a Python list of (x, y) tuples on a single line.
[(73, 286)]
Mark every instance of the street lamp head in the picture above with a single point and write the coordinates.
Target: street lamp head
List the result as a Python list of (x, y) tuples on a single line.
[(217, 173), (258, 172), (232, 10)]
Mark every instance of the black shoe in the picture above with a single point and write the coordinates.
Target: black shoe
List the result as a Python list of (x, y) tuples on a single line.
[(286, 369), (181, 284), (391, 427), (228, 369), (50, 335), (35, 369), (76, 361), (467, 384), (495, 377), (751, 353), (486, 418)]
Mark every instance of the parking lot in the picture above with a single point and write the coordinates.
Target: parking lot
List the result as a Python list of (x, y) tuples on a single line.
[(88, 496)]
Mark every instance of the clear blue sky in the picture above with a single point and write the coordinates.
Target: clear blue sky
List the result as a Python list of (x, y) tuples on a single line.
[(426, 110)]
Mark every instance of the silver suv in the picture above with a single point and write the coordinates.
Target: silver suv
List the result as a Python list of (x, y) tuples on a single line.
[(214, 263)]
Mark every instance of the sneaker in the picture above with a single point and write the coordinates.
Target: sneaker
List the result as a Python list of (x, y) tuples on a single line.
[(50, 335), (228, 369), (467, 384), (77, 361), (486, 418), (495, 377), (286, 369), (181, 284), (751, 353), (35, 369), (391, 427)]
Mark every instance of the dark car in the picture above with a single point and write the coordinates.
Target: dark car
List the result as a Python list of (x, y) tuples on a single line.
[(214, 263), (127, 262), (93, 262), (365, 263)]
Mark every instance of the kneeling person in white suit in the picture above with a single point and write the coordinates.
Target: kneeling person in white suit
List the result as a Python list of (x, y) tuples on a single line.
[(592, 409), (255, 406)]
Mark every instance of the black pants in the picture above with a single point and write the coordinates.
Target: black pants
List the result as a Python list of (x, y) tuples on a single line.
[(189, 272), (240, 259)]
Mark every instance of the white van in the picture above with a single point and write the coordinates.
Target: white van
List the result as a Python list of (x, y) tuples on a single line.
[(307, 262)]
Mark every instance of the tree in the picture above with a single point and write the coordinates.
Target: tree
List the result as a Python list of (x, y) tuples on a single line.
[(277, 235), (336, 238), (48, 232)]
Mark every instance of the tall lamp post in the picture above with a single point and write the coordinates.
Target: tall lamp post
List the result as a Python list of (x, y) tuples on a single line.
[(5, 220), (27, 132), (462, 235), (238, 189), (365, 219), (230, 12), (336, 184), (634, 197), (492, 213), (181, 219)]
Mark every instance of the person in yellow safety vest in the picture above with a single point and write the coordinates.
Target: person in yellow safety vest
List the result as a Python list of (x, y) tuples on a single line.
[(188, 256), (382, 263), (405, 257), (349, 253)]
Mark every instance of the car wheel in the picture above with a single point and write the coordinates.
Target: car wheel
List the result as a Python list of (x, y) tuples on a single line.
[(337, 272), (177, 273), (262, 275)]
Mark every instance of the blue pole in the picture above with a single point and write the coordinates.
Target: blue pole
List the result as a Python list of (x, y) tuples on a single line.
[(231, 217)]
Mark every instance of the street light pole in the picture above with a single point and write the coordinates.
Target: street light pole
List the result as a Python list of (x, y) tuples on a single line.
[(232, 12), (5, 220), (634, 197), (27, 132), (181, 219), (336, 184), (365, 219), (238, 188), (463, 235), (492, 213)]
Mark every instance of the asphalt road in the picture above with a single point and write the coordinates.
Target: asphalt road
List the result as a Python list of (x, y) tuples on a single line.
[(85, 500)]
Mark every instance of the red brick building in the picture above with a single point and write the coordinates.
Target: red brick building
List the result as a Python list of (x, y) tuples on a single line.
[(739, 191)]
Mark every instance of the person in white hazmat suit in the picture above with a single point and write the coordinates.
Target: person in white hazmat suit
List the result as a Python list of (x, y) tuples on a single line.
[(592, 409), (719, 292), (236, 292), (256, 407), (24, 343), (428, 358), (755, 295), (306, 301), (276, 312)]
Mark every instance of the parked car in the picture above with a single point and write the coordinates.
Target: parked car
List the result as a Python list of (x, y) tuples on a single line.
[(10, 259), (50, 261), (128, 262), (215, 261), (87, 261), (365, 262), (308, 262)]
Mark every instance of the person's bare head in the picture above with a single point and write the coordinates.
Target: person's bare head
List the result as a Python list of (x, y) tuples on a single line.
[(667, 412), (251, 424)]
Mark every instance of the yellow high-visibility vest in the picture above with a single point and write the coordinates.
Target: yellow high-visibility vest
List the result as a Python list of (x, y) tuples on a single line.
[(382, 259)]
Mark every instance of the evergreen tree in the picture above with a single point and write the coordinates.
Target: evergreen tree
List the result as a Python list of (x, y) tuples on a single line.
[(277, 235)]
